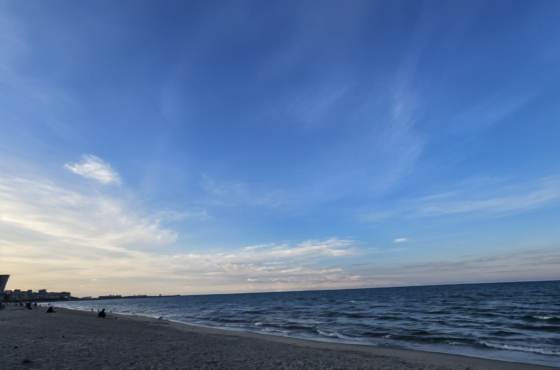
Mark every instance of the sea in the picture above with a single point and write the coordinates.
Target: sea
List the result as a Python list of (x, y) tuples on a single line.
[(518, 322)]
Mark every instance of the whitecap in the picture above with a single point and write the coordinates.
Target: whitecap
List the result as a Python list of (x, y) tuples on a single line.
[(338, 335), (542, 351), (326, 334)]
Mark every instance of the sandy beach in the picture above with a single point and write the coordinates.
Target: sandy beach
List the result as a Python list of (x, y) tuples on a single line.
[(72, 339)]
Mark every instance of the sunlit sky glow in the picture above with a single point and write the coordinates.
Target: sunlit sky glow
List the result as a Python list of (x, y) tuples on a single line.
[(186, 147)]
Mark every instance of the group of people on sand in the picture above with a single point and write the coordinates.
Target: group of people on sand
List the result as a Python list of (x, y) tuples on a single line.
[(100, 314), (29, 306)]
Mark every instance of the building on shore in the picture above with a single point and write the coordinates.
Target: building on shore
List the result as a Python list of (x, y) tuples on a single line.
[(29, 295)]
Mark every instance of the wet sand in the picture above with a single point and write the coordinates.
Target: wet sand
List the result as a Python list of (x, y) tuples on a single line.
[(79, 340)]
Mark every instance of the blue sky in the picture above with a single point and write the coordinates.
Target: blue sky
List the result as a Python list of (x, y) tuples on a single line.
[(209, 147)]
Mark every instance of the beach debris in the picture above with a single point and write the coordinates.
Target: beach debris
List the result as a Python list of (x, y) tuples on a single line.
[(26, 361), (102, 314), (160, 318)]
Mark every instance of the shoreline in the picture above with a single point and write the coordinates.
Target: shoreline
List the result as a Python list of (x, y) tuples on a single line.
[(74, 339), (468, 352)]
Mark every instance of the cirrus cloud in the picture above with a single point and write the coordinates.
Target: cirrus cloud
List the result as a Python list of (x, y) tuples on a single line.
[(95, 168)]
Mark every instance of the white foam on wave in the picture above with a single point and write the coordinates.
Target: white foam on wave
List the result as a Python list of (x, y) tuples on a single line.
[(336, 335), (326, 334), (272, 330), (542, 351), (259, 323), (542, 317)]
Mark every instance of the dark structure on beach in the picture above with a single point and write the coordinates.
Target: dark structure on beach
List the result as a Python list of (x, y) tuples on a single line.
[(3, 282)]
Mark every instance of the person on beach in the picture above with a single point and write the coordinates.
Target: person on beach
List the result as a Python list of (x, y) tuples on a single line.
[(50, 310), (28, 306), (101, 314)]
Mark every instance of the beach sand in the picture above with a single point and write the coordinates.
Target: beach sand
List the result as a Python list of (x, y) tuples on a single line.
[(79, 340)]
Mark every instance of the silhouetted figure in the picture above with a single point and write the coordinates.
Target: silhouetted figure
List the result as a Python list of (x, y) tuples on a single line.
[(50, 310), (35, 305), (101, 314), (28, 306)]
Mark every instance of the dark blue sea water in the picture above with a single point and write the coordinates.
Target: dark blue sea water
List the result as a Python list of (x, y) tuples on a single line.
[(507, 321)]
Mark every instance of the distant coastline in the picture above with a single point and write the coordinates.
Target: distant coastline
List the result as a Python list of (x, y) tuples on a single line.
[(102, 298)]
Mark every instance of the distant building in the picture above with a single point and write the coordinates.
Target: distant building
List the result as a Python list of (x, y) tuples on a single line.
[(3, 282), (29, 295)]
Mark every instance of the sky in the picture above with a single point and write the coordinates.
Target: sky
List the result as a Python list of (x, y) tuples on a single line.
[(203, 147)]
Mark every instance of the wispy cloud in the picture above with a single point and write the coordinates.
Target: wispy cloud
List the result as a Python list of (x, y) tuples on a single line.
[(482, 196), (95, 168), (333, 247), (93, 239), (400, 240), (95, 221), (93, 244), (531, 264), (231, 193)]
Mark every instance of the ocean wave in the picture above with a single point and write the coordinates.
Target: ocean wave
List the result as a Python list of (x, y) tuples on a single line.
[(336, 335), (548, 319), (275, 330), (539, 318), (547, 328), (389, 318), (509, 347), (503, 333)]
